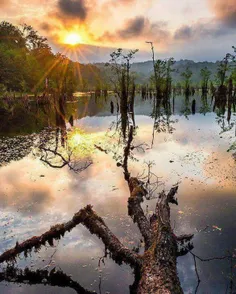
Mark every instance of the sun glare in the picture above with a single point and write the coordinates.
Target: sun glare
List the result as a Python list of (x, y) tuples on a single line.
[(76, 139), (82, 144), (73, 39)]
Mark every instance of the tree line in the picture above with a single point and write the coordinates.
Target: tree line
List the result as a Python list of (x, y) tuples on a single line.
[(28, 65)]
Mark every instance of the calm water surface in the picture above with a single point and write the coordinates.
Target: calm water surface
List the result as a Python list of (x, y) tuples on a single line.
[(189, 149)]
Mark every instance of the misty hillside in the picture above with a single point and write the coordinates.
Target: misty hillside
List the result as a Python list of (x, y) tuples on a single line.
[(145, 69)]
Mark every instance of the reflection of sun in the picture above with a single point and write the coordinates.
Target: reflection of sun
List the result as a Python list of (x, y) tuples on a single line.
[(81, 143), (73, 39), (76, 139)]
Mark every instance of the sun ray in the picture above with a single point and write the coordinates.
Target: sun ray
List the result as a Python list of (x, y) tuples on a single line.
[(73, 39), (51, 67)]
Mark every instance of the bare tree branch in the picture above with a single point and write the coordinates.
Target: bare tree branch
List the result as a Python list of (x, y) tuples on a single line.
[(137, 192), (93, 223), (75, 166), (44, 277)]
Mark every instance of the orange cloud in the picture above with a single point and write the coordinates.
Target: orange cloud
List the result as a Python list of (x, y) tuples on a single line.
[(3, 3), (139, 29), (225, 10)]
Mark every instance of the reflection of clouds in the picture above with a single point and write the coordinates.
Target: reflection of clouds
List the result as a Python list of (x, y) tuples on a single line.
[(19, 190), (203, 199), (220, 168), (190, 146), (187, 274), (206, 206)]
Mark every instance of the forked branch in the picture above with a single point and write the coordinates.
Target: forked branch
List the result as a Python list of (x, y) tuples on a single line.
[(93, 223)]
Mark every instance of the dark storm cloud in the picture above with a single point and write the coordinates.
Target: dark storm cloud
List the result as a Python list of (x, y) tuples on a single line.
[(73, 8)]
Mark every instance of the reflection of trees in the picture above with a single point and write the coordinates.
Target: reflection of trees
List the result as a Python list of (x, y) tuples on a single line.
[(225, 120), (205, 107), (223, 105), (53, 148), (155, 270), (186, 111), (18, 147), (162, 118), (55, 159)]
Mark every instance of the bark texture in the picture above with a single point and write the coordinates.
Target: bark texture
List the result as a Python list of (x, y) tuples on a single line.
[(93, 223), (159, 271), (155, 270)]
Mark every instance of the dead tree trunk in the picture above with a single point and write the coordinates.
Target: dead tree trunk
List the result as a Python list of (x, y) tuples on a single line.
[(158, 273), (156, 268)]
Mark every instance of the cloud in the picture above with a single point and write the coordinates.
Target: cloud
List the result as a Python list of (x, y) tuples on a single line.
[(4, 3), (225, 11), (183, 33), (207, 29), (134, 27), (139, 29), (73, 8), (45, 26)]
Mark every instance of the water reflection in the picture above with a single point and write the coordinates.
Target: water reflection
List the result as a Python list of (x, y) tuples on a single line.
[(35, 196)]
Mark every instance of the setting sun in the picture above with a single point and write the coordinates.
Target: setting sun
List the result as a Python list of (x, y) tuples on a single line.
[(73, 39)]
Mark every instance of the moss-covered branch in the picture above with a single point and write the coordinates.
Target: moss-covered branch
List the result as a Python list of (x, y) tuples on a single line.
[(93, 223)]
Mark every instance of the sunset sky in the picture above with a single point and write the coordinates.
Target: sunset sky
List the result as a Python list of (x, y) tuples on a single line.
[(193, 29)]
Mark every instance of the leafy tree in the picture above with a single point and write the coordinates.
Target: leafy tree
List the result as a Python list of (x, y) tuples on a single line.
[(120, 65), (222, 70), (205, 76), (169, 63), (187, 74)]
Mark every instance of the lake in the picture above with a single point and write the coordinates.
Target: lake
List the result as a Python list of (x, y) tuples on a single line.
[(186, 144)]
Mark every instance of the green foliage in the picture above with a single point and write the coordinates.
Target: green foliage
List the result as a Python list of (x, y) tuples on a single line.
[(222, 70), (205, 76), (123, 82), (120, 66), (233, 59), (28, 65), (162, 77), (187, 74)]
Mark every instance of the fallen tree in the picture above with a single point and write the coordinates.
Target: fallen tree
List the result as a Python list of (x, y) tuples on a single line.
[(155, 270), (43, 277)]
